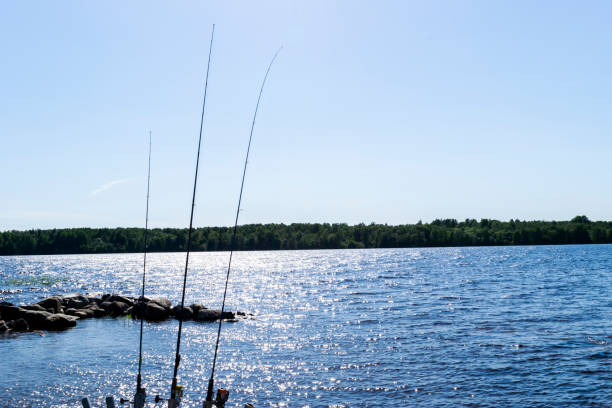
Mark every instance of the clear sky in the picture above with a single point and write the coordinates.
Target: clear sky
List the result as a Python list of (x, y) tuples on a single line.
[(378, 111)]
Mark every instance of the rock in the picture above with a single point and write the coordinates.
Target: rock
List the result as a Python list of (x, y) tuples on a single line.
[(138, 310), (75, 301), (10, 311), (207, 315), (59, 321), (96, 310), (185, 313), (122, 299), (34, 307), (36, 319), (48, 314), (105, 306), (196, 307), (117, 308), (94, 300), (154, 311), (163, 302), (20, 325), (85, 313), (54, 303), (80, 313), (71, 311)]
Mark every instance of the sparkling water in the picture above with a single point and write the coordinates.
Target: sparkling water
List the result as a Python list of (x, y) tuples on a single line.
[(443, 327)]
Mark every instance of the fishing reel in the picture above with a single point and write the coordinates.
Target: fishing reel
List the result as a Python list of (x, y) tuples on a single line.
[(139, 398), (220, 399), (178, 395)]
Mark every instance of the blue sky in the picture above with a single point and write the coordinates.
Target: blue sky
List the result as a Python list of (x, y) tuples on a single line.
[(389, 112)]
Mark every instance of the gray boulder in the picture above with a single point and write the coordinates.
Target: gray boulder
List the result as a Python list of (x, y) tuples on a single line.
[(78, 313), (207, 315), (84, 313), (184, 313), (9, 311), (122, 299), (34, 307), (154, 311), (138, 310), (105, 306), (163, 302), (59, 321), (20, 325), (36, 319), (75, 301), (54, 303), (88, 311), (96, 310), (3, 327), (196, 307), (94, 300), (117, 308), (70, 311)]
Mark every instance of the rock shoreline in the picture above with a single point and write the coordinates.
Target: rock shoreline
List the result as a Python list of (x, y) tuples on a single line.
[(62, 312)]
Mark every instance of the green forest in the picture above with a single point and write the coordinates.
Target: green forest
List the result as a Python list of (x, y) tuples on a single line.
[(439, 233)]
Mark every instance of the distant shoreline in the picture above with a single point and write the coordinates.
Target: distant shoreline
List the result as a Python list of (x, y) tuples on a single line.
[(253, 237)]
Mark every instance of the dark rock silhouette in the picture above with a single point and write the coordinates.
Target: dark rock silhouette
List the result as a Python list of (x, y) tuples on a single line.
[(60, 321), (60, 313), (9, 311), (36, 319), (54, 303), (154, 311), (20, 325), (185, 313)]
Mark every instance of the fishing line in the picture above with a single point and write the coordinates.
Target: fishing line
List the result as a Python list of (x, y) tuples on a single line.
[(144, 272)]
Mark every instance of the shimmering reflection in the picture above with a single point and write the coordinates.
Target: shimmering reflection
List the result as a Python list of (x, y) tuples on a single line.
[(521, 326)]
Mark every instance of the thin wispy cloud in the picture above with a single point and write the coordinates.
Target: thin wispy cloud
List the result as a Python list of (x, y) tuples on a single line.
[(107, 186)]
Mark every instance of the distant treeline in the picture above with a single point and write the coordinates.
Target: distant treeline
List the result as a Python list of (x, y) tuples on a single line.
[(447, 232)]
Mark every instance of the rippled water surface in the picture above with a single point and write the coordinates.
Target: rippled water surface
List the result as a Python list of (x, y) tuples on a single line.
[(444, 327)]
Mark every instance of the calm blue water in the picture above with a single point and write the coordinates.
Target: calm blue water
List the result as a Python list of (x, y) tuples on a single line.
[(444, 327)]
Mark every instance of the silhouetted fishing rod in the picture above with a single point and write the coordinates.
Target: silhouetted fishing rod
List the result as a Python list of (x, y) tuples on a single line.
[(211, 381), (139, 396), (173, 390)]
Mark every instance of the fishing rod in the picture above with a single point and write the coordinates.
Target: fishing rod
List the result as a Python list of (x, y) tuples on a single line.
[(140, 395), (224, 394), (176, 390)]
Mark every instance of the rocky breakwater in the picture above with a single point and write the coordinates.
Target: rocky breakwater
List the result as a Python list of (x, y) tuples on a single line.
[(62, 312)]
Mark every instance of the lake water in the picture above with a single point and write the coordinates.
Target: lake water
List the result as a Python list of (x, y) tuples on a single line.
[(443, 327)]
